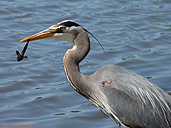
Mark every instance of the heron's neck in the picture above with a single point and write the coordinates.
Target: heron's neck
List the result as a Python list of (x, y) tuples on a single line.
[(73, 57)]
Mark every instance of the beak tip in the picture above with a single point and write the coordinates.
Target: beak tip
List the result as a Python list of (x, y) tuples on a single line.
[(24, 40)]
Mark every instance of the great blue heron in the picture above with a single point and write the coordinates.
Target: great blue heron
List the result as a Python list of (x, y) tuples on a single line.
[(127, 98)]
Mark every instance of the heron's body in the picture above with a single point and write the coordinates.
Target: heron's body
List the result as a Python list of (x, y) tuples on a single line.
[(127, 98), (134, 100)]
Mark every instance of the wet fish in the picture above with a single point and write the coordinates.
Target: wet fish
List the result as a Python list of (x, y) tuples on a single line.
[(21, 56)]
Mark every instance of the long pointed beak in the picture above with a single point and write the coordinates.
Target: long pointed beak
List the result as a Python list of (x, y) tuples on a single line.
[(41, 35)]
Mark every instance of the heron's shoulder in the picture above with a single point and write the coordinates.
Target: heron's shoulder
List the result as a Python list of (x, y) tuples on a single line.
[(112, 67), (110, 71)]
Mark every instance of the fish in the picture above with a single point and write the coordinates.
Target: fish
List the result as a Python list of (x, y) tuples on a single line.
[(21, 56)]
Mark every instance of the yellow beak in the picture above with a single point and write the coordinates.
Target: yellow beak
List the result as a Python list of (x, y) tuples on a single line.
[(41, 35)]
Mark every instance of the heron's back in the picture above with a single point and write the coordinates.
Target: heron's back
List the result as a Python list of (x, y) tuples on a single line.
[(133, 99)]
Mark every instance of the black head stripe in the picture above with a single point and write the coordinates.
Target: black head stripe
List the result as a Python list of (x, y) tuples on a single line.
[(69, 24)]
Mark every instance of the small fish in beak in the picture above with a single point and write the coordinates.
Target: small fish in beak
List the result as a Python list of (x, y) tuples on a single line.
[(21, 56)]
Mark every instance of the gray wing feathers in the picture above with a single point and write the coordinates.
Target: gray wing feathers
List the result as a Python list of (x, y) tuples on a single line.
[(134, 98)]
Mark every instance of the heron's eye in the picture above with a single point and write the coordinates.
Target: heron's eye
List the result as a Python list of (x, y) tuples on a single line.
[(62, 28)]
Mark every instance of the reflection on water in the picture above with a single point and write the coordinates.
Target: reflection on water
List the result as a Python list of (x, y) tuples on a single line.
[(135, 35)]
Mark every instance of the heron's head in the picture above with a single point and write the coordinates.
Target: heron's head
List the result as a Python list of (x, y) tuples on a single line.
[(65, 30)]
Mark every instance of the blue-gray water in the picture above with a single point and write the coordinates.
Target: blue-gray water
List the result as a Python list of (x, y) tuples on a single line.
[(35, 91)]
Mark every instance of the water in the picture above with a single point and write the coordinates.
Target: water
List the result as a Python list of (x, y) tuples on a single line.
[(35, 91)]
